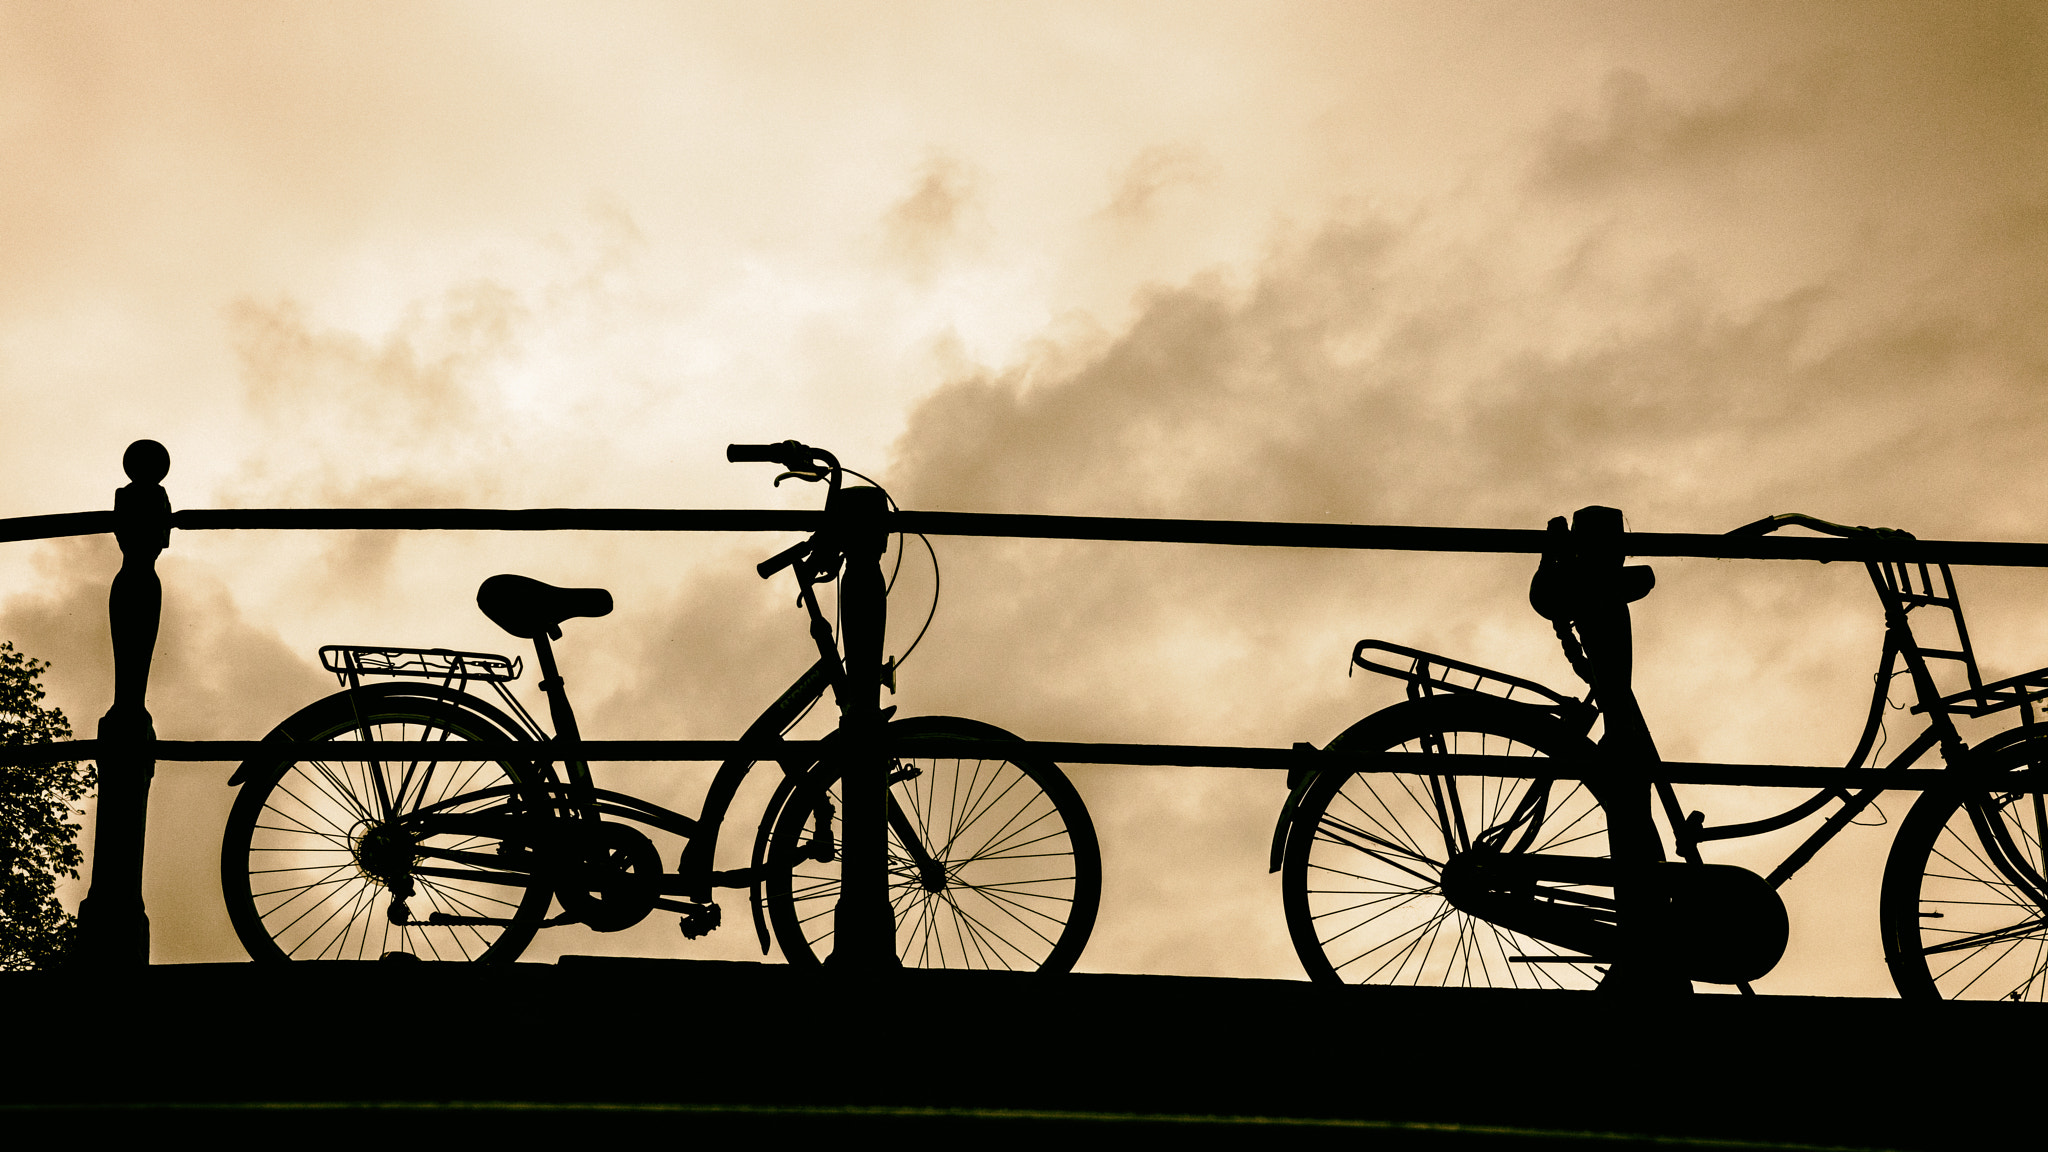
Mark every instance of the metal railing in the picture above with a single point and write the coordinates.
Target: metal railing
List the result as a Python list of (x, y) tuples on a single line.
[(114, 925)]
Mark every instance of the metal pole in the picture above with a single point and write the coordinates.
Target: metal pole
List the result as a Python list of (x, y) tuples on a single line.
[(113, 926), (865, 926)]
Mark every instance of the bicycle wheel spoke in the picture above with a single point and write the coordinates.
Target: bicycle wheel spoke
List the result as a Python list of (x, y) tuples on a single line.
[(1000, 869), (1963, 913), (1363, 870), (319, 851)]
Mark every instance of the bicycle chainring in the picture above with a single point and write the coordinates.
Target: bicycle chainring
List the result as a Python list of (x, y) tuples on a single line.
[(608, 877)]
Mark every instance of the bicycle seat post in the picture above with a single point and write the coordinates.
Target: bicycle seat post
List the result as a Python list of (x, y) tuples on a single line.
[(865, 924), (1584, 586), (1608, 633), (557, 693)]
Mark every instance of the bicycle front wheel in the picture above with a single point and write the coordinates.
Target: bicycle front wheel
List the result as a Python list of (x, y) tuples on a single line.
[(320, 852), (1964, 912), (999, 868), (1363, 869)]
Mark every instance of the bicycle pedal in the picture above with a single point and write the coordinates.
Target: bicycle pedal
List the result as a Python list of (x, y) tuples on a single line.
[(699, 920)]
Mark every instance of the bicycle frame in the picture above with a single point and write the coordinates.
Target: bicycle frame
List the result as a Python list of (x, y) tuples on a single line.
[(1897, 589), (1903, 588), (572, 794)]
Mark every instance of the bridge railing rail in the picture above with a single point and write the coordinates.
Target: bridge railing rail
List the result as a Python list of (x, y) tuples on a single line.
[(114, 926)]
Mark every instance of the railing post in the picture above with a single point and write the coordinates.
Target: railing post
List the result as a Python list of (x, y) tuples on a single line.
[(113, 925), (865, 925)]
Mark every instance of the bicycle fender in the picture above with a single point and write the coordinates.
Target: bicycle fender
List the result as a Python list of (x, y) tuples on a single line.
[(769, 814), (395, 690), (1408, 719), (1287, 811)]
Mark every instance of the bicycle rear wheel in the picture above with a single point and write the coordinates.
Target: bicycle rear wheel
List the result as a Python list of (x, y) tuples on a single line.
[(1013, 875), (1362, 872), (318, 850), (1964, 911)]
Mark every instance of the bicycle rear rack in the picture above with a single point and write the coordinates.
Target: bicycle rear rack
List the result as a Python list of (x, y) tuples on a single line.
[(1996, 696), (1427, 673), (1907, 586), (350, 661)]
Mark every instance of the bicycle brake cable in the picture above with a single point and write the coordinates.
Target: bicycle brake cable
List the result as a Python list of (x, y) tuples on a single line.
[(930, 613), (933, 611)]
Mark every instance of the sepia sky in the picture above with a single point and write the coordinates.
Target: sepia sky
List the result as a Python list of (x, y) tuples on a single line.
[(1471, 264)]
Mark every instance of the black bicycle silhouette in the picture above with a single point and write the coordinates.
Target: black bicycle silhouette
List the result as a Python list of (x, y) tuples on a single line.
[(451, 856), (1521, 880)]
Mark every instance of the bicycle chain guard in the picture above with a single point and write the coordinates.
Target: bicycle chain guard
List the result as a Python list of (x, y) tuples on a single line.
[(1720, 924)]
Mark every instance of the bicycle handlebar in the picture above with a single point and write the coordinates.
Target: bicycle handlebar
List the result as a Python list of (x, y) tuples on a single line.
[(799, 460), (756, 453), (1771, 524), (806, 463), (783, 559)]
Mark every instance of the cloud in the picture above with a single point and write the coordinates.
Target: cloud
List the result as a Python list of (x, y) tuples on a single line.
[(216, 676), (1701, 266), (413, 377), (708, 658), (1638, 131), (939, 213), (407, 419), (1151, 176), (1357, 380), (1412, 369), (207, 137)]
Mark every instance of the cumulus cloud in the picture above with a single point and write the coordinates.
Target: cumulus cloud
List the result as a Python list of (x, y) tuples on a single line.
[(216, 676), (1639, 131), (392, 386), (1151, 177), (1699, 265), (938, 214), (1389, 369)]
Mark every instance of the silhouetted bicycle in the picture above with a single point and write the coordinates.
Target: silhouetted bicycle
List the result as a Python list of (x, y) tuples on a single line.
[(1518, 879), (441, 854)]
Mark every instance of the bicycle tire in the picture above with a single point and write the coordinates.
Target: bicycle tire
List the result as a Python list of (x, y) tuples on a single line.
[(1023, 871), (1361, 869), (306, 862), (1964, 907)]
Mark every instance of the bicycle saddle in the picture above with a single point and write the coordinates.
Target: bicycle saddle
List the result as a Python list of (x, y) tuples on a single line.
[(525, 607)]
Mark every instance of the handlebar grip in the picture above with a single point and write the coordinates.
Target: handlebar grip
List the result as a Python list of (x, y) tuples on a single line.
[(757, 453), (782, 559)]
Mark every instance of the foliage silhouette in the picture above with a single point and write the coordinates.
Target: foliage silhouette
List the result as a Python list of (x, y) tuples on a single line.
[(38, 829)]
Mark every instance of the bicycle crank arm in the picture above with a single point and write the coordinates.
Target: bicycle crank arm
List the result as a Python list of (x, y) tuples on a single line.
[(443, 919), (475, 875)]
